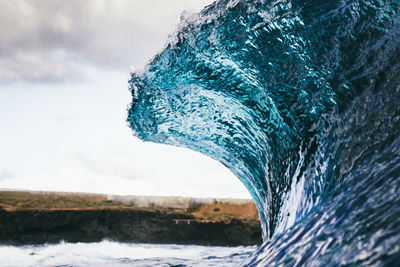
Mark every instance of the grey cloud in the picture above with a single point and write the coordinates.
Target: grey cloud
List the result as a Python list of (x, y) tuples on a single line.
[(50, 40)]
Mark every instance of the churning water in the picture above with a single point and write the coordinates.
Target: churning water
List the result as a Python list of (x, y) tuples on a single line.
[(112, 254)]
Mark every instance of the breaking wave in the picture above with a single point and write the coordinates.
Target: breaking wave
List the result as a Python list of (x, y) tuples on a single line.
[(301, 101)]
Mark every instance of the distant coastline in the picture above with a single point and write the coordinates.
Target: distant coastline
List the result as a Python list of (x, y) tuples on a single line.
[(32, 217)]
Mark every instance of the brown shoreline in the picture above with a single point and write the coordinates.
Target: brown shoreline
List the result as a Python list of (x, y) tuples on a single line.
[(31, 218)]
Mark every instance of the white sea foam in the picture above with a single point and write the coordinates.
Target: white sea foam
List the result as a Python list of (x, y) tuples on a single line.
[(107, 253)]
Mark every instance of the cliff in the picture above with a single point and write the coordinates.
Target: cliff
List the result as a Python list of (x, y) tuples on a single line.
[(36, 218)]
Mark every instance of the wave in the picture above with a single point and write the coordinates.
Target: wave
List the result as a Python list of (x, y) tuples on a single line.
[(300, 100)]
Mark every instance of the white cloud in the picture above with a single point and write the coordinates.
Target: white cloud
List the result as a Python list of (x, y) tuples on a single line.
[(6, 174), (107, 164), (73, 136), (171, 181)]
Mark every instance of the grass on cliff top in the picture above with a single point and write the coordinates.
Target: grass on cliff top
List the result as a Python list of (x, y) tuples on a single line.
[(24, 200), (19, 200)]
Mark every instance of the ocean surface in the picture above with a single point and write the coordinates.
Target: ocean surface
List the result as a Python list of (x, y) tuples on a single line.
[(107, 253), (301, 101)]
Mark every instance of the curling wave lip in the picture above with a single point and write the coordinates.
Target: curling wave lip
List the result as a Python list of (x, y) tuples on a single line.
[(281, 93)]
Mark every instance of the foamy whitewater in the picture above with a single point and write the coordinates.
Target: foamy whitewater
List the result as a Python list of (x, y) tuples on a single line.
[(301, 101), (108, 253)]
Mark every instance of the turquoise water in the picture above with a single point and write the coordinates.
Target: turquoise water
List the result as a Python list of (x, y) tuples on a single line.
[(300, 100)]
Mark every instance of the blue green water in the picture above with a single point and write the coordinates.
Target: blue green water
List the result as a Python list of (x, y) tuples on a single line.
[(301, 101)]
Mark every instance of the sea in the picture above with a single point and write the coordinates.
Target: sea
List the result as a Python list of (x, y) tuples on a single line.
[(109, 253), (299, 99)]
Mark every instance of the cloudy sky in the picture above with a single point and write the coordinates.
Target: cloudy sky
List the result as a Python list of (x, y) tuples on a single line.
[(64, 66)]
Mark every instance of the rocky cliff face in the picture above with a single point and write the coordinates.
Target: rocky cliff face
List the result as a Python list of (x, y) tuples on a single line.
[(52, 226)]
